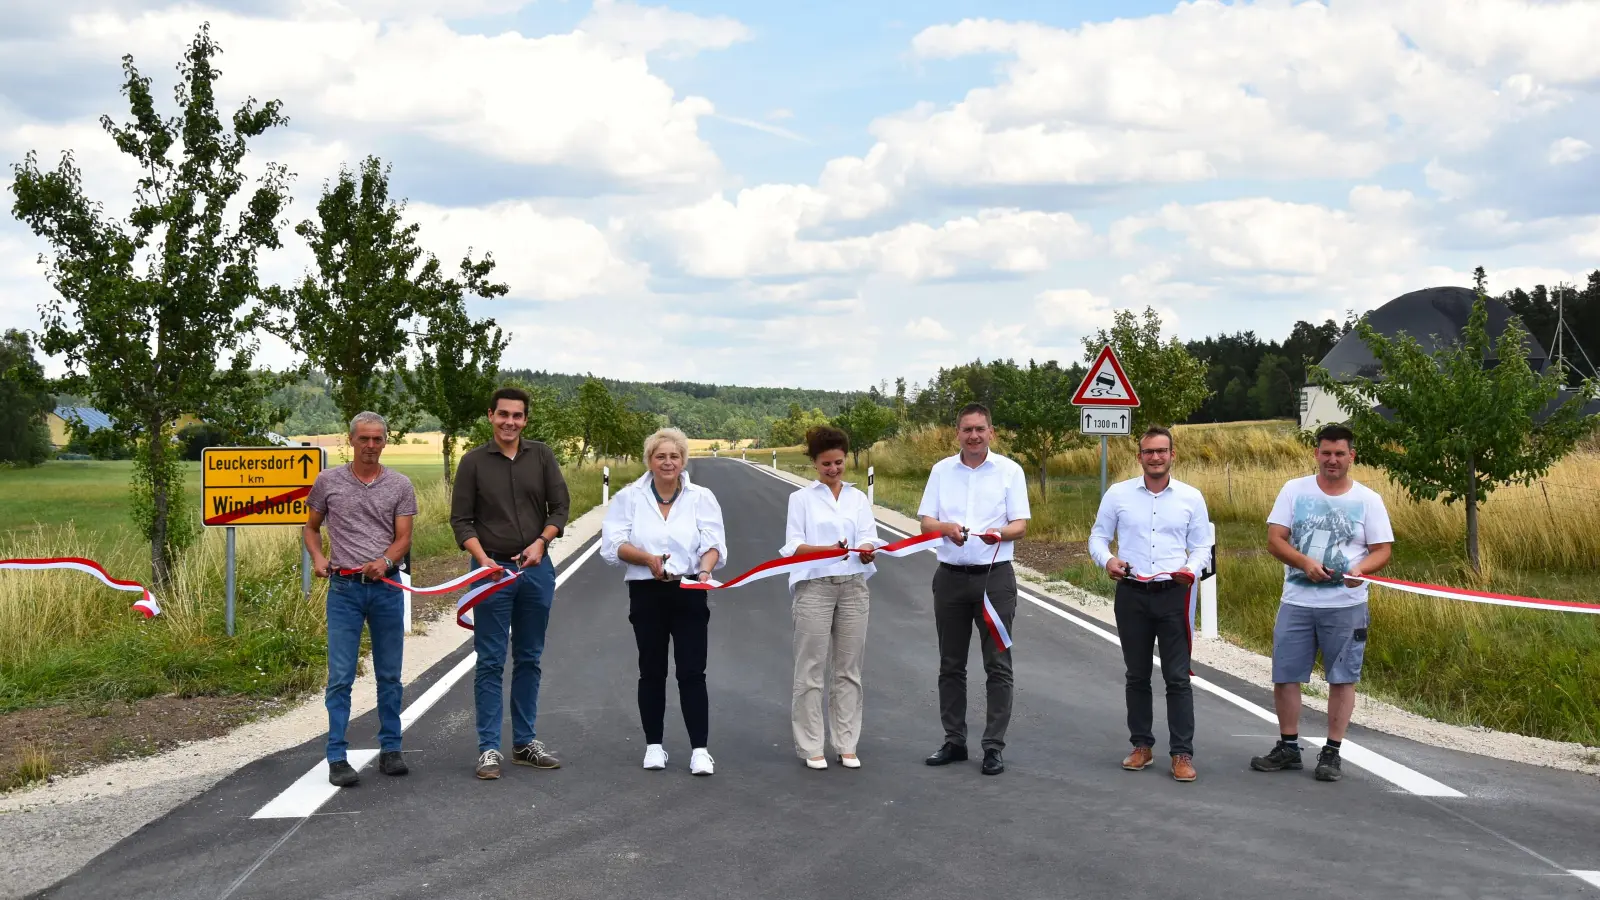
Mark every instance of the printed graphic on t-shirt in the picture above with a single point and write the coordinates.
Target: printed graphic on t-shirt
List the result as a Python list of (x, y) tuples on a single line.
[(1322, 527)]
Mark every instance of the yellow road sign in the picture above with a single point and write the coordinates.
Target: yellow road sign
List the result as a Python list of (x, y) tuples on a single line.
[(257, 485)]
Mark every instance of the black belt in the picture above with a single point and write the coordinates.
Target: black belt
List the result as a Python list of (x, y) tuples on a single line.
[(974, 570), (1151, 587)]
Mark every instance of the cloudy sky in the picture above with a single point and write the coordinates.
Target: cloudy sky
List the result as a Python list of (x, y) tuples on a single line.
[(830, 193)]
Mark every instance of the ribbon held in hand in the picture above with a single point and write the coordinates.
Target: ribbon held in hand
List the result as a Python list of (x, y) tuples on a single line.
[(1449, 593), (146, 603), (469, 599)]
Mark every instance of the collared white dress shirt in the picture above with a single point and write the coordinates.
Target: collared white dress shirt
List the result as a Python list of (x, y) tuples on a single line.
[(817, 518), (1155, 533), (984, 498), (692, 526)]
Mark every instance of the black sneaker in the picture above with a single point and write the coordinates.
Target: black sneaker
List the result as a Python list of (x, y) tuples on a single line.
[(947, 754), (341, 774), (1282, 757), (391, 763), (534, 754), (992, 763), (1328, 765)]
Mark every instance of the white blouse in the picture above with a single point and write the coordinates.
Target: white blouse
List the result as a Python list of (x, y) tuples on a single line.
[(818, 519), (692, 526)]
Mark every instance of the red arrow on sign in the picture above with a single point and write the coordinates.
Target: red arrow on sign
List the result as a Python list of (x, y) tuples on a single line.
[(1105, 384)]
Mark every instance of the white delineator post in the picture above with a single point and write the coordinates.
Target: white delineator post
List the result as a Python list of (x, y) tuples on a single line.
[(869, 485), (405, 579), (1208, 598), (605, 485), (774, 460)]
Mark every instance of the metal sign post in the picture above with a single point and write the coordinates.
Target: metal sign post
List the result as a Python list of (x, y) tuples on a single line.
[(230, 579), (1102, 465)]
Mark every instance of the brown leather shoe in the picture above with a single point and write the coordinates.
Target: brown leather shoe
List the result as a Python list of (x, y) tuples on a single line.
[(1138, 759), (1183, 768)]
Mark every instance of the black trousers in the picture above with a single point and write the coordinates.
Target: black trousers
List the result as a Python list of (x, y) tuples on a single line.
[(1143, 619), (957, 609), (663, 613)]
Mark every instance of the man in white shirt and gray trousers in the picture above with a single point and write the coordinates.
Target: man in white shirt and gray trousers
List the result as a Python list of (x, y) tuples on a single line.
[(1164, 540), (975, 494)]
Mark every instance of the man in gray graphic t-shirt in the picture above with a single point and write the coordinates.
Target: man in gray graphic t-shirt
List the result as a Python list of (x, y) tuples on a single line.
[(1324, 528)]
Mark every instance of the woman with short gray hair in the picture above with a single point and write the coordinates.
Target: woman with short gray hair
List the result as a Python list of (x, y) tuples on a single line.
[(665, 529)]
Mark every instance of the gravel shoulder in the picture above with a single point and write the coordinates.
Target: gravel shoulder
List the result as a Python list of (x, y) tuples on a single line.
[(52, 830)]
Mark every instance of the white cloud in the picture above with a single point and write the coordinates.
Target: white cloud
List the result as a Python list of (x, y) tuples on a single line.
[(1449, 184), (926, 329), (657, 29), (571, 100), (539, 256), (779, 114), (1569, 150), (1072, 308)]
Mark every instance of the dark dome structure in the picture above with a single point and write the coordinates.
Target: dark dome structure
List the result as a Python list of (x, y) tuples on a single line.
[(1434, 316)]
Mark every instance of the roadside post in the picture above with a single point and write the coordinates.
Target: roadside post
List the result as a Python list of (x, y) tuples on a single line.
[(405, 592), (1105, 400), (869, 485), (305, 558), (605, 485), (774, 460), (1208, 594), (244, 487)]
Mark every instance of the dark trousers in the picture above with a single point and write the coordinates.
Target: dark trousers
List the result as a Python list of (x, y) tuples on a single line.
[(663, 613), (1143, 618), (957, 608)]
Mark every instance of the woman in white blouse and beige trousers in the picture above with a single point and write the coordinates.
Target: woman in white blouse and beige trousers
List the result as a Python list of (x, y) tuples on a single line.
[(665, 529), (830, 602)]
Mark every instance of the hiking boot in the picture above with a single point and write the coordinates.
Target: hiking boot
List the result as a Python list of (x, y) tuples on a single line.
[(1328, 765), (534, 754), (341, 774), (489, 765), (1282, 757), (391, 763)]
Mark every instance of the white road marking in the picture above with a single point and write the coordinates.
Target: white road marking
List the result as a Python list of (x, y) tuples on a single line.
[(1403, 777), (1592, 878), (312, 789)]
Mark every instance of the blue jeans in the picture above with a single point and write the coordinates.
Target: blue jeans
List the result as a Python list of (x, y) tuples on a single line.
[(522, 612), (382, 608)]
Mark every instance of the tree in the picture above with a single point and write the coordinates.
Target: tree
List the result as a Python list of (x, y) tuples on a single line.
[(597, 415), (1274, 395), (350, 316), (24, 403), (1463, 420), (865, 422), (145, 308), (459, 359), (792, 428), (1170, 382), (1035, 405)]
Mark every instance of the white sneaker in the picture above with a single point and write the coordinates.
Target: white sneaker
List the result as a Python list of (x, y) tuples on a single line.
[(818, 763), (655, 757), (700, 762)]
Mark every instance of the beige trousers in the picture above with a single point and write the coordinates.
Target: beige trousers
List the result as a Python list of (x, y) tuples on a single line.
[(829, 613)]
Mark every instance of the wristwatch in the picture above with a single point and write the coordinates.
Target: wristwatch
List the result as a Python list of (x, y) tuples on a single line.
[(388, 563)]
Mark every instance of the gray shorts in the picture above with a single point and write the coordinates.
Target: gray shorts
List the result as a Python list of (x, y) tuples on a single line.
[(1340, 633)]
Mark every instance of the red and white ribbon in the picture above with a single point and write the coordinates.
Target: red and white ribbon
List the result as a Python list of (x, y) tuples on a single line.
[(1449, 593), (804, 562), (469, 599), (146, 603)]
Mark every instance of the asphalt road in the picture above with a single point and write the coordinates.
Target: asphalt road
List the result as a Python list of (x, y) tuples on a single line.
[(1063, 821)]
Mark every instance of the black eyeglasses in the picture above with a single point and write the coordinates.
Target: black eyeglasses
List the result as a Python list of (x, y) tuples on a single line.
[(1156, 451)]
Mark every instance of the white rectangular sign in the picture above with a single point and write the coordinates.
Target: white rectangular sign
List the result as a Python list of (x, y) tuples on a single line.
[(1104, 420)]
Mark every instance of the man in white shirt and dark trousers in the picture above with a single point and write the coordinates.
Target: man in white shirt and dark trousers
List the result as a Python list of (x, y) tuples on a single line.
[(1323, 528), (1164, 540), (979, 501)]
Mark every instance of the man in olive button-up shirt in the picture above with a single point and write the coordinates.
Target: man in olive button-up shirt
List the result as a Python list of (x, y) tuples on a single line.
[(509, 503)]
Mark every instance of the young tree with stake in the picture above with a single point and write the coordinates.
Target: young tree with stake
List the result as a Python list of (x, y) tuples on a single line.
[(146, 308)]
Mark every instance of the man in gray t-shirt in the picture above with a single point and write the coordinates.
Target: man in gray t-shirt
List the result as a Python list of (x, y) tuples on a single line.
[(368, 510), (1324, 528)]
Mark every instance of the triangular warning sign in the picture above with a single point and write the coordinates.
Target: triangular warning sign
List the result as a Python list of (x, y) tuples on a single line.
[(1106, 384)]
